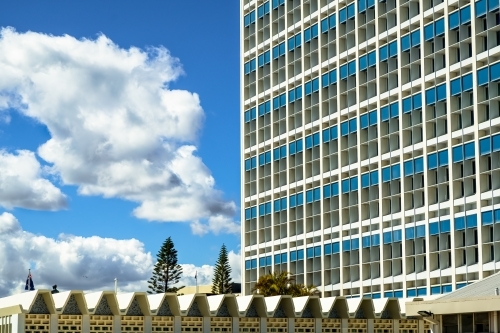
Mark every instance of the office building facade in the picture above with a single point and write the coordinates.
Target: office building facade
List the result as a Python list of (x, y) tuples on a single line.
[(370, 139)]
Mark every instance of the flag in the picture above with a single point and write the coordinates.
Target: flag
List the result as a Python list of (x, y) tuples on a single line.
[(29, 282)]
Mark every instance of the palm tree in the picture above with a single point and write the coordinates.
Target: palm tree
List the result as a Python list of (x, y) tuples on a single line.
[(279, 283)]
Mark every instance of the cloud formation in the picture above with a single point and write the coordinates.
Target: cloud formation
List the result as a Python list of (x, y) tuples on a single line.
[(22, 183), (83, 263), (117, 129)]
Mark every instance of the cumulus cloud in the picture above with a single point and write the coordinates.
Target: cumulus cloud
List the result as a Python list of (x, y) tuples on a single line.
[(83, 263), (22, 183), (117, 129), (216, 224)]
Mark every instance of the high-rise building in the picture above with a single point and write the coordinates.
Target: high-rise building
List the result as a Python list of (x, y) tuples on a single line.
[(370, 139)]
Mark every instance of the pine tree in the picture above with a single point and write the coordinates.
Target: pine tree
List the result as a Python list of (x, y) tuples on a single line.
[(166, 272), (221, 283)]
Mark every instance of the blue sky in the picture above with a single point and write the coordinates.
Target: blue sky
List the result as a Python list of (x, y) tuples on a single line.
[(204, 36)]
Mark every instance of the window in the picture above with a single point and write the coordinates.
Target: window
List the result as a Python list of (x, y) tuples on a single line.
[(263, 10), (250, 115), (279, 153), (435, 94), (250, 66), (265, 158), (250, 163), (249, 19), (310, 33), (311, 86), (330, 134), (350, 184), (312, 140), (296, 200), (280, 204), (434, 29), (277, 3), (264, 108), (330, 190), (264, 58), (329, 78), (251, 213), (294, 42), (391, 173), (279, 101), (295, 147), (313, 195), (295, 94), (328, 23), (279, 50)]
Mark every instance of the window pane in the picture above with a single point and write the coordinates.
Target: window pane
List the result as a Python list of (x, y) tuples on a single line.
[(454, 20), (365, 180), (465, 15), (383, 53), (434, 228), (386, 174), (410, 233), (420, 231), (485, 146), (373, 118), (374, 178), (429, 32), (469, 150), (419, 165), (459, 223), (458, 154), (455, 88), (432, 161), (467, 82), (439, 26), (482, 76), (407, 105), (443, 158), (430, 96), (441, 92), (415, 38), (354, 183), (405, 43), (408, 168), (444, 226), (384, 113), (345, 186)]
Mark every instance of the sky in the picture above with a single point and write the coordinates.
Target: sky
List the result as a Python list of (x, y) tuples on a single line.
[(119, 127)]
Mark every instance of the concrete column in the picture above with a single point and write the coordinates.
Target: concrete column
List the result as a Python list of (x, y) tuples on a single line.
[(148, 324), (495, 321), (291, 325), (236, 325), (343, 325), (369, 325), (177, 324), (318, 325), (421, 326), (85, 324), (117, 324), (18, 322), (395, 325), (206, 325), (263, 325), (53, 323)]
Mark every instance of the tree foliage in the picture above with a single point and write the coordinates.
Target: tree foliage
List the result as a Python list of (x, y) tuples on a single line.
[(280, 283), (221, 283), (167, 272)]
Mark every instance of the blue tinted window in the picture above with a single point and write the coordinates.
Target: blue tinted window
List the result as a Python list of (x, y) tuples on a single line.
[(346, 245), (415, 38), (354, 184), (469, 151), (386, 174), (365, 180), (439, 26), (397, 236), (365, 241), (310, 252), (393, 49), (495, 72), (465, 15), (454, 20), (434, 228), (455, 87), (343, 72), (485, 146), (407, 105), (410, 233), (383, 53), (420, 231), (459, 223), (435, 290), (422, 291), (482, 76), (328, 249), (467, 82), (447, 289), (352, 125), (411, 293), (444, 226), (335, 247), (394, 109), (293, 256), (374, 178), (495, 142), (395, 171), (300, 254), (471, 221), (481, 8), (387, 237), (284, 258), (458, 154), (327, 191), (443, 157), (335, 189), (376, 240), (248, 264), (352, 68), (363, 121), (384, 113), (419, 164), (408, 168), (429, 32), (254, 263), (373, 118), (363, 63), (441, 92), (432, 161), (344, 128), (487, 217), (262, 262), (333, 77), (372, 58), (430, 96), (324, 80), (405, 43), (277, 259)]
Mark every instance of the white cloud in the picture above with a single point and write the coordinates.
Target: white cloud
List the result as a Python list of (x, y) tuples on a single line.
[(83, 263), (22, 184), (216, 224), (116, 128)]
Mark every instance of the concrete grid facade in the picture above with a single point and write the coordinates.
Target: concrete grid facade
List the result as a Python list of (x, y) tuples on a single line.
[(370, 144)]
